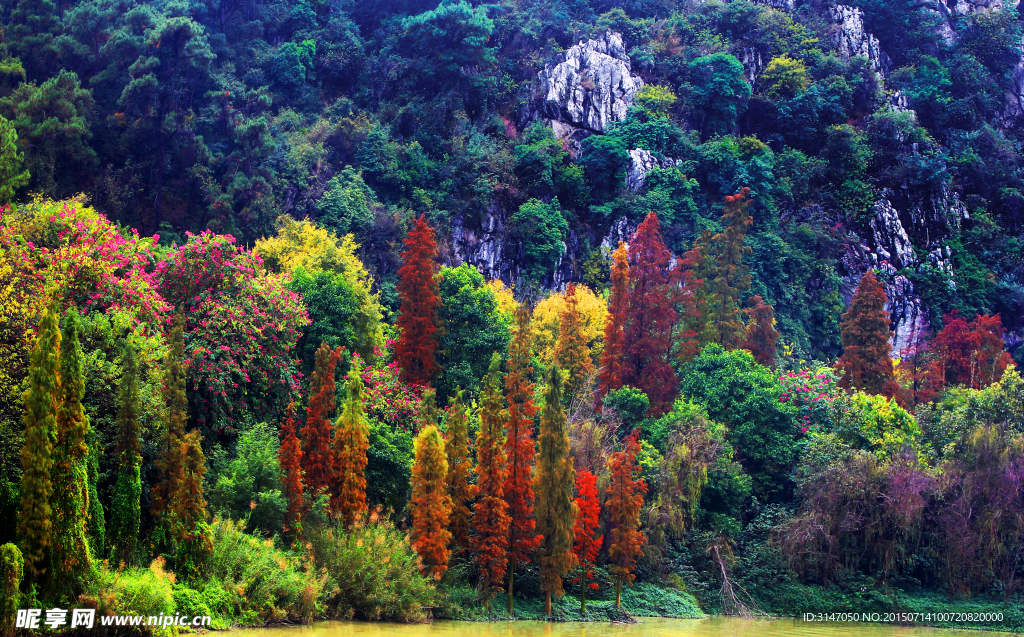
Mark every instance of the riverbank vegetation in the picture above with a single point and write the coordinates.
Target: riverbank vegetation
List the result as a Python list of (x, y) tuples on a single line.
[(308, 311)]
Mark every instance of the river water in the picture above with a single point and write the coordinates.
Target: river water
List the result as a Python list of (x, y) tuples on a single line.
[(647, 627)]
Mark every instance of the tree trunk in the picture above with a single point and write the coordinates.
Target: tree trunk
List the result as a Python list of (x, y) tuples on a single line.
[(618, 593), (511, 577), (547, 603), (583, 599)]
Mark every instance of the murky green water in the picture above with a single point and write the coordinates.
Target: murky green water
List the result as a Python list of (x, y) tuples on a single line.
[(648, 627)]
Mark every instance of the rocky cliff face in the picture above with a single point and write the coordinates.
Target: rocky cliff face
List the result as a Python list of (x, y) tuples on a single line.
[(852, 40), (592, 87)]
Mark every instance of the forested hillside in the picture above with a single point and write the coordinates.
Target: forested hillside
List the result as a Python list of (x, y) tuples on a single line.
[(342, 302)]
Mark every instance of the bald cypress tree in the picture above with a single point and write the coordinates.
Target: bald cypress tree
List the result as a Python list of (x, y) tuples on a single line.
[(126, 508), (553, 484), (71, 555), (431, 505), (460, 464), (35, 523), (572, 353), (866, 363), (731, 275), (316, 434), (290, 457), (170, 464), (348, 476), (613, 357)]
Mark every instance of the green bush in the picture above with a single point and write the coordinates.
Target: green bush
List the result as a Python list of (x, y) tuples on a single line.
[(134, 591), (253, 583), (373, 572)]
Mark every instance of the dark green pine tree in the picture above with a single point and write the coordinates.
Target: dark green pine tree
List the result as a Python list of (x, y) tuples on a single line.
[(35, 525), (71, 554), (126, 509), (553, 482)]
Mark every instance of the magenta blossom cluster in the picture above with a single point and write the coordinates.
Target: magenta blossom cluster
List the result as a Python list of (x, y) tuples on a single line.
[(812, 392), (386, 398)]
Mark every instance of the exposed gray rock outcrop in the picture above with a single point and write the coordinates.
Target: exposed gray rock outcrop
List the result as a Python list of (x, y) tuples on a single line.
[(852, 40), (642, 162), (591, 88)]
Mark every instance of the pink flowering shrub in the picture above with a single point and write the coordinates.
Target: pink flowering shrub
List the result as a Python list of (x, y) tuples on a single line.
[(385, 397), (241, 327), (812, 392), (67, 249)]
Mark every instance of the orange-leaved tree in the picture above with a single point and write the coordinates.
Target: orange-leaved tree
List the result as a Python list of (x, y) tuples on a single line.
[(866, 363), (191, 533), (553, 482), (351, 441), (519, 449), (625, 498), (316, 434), (430, 504), (586, 541), (460, 464), (650, 317), (572, 353), (417, 321), (289, 455), (613, 358), (171, 463), (490, 513), (762, 338)]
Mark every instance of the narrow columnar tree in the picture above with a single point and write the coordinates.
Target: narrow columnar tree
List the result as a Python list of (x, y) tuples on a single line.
[(171, 463), (290, 457), (460, 464), (126, 508), (650, 317), (613, 361), (572, 353), (586, 541), (71, 555), (731, 275), (351, 441), (625, 498), (192, 535), (762, 337), (519, 449), (35, 523), (553, 483), (316, 434), (866, 363), (12, 569), (694, 269), (431, 505), (490, 513), (418, 315)]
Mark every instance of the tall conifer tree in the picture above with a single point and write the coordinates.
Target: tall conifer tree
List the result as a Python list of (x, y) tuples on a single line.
[(625, 498), (431, 505), (290, 458), (572, 353), (418, 315), (553, 483), (171, 463), (762, 337), (71, 554), (613, 358), (126, 508), (586, 541), (650, 317), (694, 268), (519, 449), (192, 535), (351, 441), (316, 434), (460, 464), (731, 275), (866, 363), (490, 513), (35, 523)]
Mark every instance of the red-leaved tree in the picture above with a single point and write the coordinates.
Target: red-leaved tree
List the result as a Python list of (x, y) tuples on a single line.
[(316, 434), (650, 318), (762, 337), (625, 499), (586, 542), (290, 457), (971, 354), (490, 513), (613, 356), (866, 363), (417, 317), (519, 449), (694, 269)]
